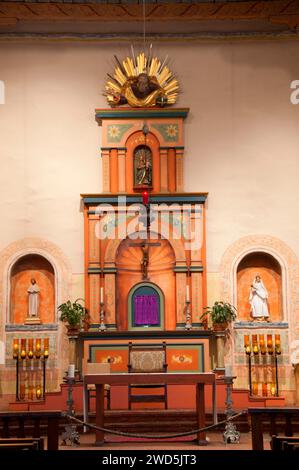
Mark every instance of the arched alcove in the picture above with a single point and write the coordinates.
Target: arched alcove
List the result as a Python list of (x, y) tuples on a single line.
[(268, 268), (146, 307), (161, 261), (32, 266)]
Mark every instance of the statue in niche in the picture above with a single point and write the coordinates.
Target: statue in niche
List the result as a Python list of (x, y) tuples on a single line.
[(258, 300), (143, 166), (33, 302)]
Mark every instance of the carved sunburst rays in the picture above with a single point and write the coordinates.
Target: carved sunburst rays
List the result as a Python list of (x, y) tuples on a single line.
[(129, 258), (133, 66)]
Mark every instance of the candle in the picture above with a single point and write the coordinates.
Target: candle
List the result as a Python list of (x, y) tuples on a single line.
[(38, 392), (23, 348), (71, 371), (262, 344), (46, 348), (38, 348), (269, 344), (264, 389), (187, 294), (30, 348), (15, 348), (277, 340), (102, 295), (228, 371), (277, 344), (145, 198)]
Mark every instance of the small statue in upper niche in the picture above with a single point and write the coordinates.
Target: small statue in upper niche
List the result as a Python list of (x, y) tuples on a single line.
[(258, 300), (143, 166)]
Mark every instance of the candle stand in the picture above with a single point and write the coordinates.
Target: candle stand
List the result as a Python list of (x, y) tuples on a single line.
[(230, 435), (70, 432), (188, 324), (102, 326), (31, 362), (254, 349)]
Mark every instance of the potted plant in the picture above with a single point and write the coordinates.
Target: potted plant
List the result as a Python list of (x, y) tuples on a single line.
[(221, 314), (72, 313)]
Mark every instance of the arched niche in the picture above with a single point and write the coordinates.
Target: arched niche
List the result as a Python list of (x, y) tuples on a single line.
[(32, 266), (269, 269), (161, 263), (150, 311)]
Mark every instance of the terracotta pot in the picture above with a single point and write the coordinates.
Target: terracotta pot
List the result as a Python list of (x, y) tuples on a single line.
[(220, 326), (72, 330)]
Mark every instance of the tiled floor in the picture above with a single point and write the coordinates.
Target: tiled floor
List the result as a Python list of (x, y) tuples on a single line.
[(215, 443)]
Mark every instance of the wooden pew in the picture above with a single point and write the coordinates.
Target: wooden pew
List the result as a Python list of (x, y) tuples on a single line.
[(261, 416), (279, 443), (15, 423), (27, 443)]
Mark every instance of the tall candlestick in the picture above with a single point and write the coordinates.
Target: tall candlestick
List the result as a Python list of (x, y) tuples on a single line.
[(71, 371), (187, 294)]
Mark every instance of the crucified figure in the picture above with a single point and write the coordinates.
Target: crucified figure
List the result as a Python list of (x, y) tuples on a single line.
[(145, 261)]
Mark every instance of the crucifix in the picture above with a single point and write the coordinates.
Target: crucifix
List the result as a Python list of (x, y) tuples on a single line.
[(145, 245)]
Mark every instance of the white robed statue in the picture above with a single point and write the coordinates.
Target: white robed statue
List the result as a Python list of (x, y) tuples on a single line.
[(33, 301), (258, 299)]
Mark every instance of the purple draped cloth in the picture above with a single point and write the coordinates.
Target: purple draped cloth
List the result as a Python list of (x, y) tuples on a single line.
[(146, 310)]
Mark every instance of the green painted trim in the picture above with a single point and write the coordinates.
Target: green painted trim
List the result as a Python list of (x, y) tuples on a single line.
[(111, 147), (109, 270), (161, 296), (94, 271), (196, 269), (196, 199), (147, 335), (135, 113), (176, 147)]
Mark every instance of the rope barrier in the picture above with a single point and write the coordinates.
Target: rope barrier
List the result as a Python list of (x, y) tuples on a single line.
[(168, 436)]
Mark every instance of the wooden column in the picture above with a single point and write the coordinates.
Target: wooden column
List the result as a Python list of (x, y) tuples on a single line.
[(113, 171), (164, 170), (180, 297), (110, 294), (121, 170), (179, 170), (105, 170), (171, 175)]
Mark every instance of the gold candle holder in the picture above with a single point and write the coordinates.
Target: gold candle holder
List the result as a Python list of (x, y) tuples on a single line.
[(23, 348), (270, 344), (38, 347), (255, 388), (30, 348), (262, 344), (46, 348), (38, 392), (16, 347), (273, 390), (265, 389), (277, 345)]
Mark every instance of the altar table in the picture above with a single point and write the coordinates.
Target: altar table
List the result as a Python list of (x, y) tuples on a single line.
[(197, 379)]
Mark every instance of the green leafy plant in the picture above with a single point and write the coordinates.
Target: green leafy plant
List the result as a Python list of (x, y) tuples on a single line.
[(221, 312), (72, 313)]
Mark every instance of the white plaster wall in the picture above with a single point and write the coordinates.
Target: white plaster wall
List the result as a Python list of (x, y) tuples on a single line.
[(242, 139)]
